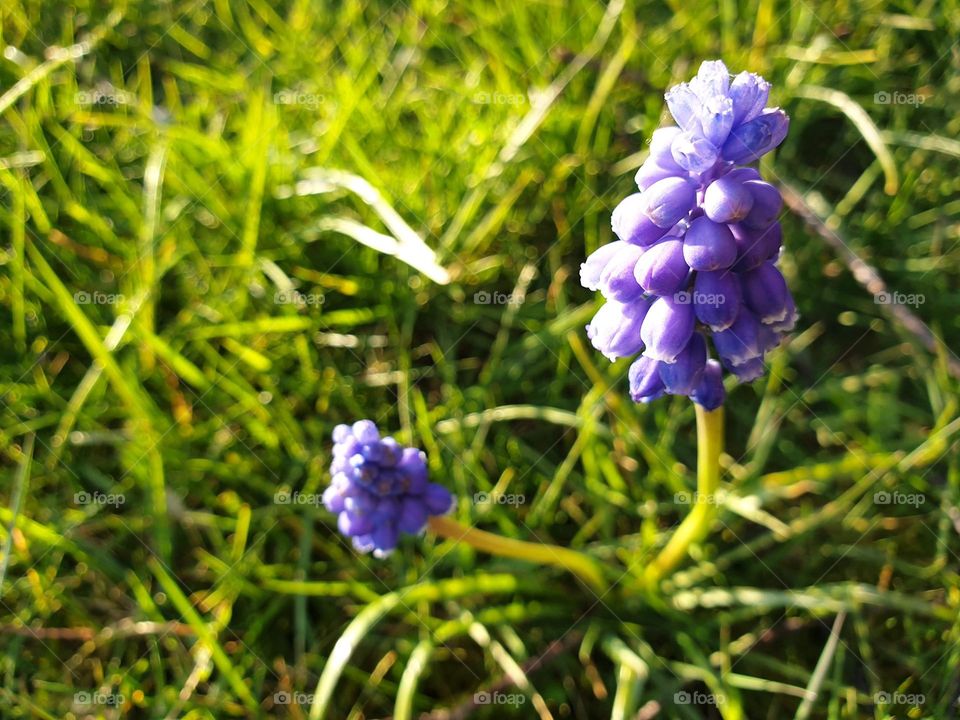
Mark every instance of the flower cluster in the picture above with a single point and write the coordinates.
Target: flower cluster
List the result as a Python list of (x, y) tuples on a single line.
[(697, 247), (379, 488)]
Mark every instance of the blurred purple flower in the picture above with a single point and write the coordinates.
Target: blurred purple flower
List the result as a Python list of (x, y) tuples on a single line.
[(698, 246), (379, 489)]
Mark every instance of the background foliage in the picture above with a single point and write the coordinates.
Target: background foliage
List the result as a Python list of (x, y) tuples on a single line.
[(183, 324)]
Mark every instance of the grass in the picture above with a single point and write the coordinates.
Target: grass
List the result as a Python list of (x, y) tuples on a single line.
[(182, 171)]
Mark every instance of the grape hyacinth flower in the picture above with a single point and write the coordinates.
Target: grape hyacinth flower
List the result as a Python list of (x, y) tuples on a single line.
[(698, 246), (380, 489)]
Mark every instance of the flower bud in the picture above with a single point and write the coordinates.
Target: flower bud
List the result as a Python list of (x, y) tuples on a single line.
[(631, 224), (694, 153), (726, 200), (661, 270), (682, 376), (666, 329), (615, 329), (645, 382), (716, 298), (765, 293), (668, 201), (708, 245), (766, 204), (753, 139), (710, 392)]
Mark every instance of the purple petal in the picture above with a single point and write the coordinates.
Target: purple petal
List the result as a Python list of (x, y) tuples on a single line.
[(755, 247), (694, 153), (716, 298), (748, 142), (365, 431), (341, 433), (710, 393), (740, 342), (645, 382), (438, 499), (352, 524), (684, 106), (617, 281), (661, 269), (669, 200), (592, 270), (716, 118), (630, 222), (413, 515), (709, 245), (712, 80), (683, 376), (667, 329), (651, 172), (749, 93), (384, 539), (615, 329), (660, 143), (726, 200), (748, 371), (766, 204), (765, 293)]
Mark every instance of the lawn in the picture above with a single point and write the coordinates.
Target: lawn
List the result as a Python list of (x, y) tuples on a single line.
[(228, 226)]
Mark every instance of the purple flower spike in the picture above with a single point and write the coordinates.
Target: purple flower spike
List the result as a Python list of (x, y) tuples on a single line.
[(709, 245), (705, 241), (666, 329), (386, 491)]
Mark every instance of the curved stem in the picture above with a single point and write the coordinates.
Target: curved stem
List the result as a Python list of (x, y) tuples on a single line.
[(584, 567), (696, 525)]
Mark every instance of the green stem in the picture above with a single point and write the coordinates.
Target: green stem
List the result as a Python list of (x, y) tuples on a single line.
[(696, 525), (584, 567)]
